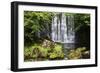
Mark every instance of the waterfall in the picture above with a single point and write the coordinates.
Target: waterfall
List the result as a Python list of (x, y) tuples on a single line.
[(70, 29), (54, 30), (63, 28)]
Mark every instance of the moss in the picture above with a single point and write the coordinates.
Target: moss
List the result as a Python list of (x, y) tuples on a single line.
[(76, 53), (38, 52), (47, 50)]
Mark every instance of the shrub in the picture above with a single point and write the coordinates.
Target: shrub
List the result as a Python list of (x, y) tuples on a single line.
[(76, 53), (57, 52), (27, 53)]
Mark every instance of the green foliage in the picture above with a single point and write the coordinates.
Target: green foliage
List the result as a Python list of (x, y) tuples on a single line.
[(77, 53), (81, 20), (39, 52), (53, 56), (35, 22), (27, 53), (57, 52)]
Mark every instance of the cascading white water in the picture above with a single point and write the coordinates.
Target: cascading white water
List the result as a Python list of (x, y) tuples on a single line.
[(62, 28), (54, 29), (70, 29)]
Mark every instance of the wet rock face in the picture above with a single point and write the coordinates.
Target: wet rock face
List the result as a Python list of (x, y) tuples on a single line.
[(48, 44), (82, 37)]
